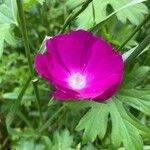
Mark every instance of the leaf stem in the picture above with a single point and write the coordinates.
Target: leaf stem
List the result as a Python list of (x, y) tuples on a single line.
[(138, 50), (28, 53), (134, 32), (72, 16)]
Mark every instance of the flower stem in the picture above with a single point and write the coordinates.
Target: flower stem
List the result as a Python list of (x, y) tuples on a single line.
[(134, 32), (72, 16), (138, 50), (28, 53)]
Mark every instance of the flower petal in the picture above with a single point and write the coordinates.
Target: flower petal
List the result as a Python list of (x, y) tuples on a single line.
[(107, 94), (70, 49), (104, 68), (48, 68), (99, 87)]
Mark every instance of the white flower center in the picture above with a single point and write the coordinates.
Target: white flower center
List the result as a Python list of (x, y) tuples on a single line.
[(77, 81)]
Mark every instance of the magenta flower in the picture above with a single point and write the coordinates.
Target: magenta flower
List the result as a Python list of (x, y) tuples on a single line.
[(80, 66)]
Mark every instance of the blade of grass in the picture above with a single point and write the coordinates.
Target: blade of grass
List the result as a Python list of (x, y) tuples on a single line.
[(23, 117), (138, 50), (28, 53), (102, 22), (72, 16), (48, 122), (14, 108), (134, 32)]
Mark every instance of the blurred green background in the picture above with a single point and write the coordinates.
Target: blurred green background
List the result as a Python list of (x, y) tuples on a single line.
[(19, 120)]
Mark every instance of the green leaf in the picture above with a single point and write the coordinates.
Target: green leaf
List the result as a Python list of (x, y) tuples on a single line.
[(126, 129), (28, 145), (139, 99), (118, 33), (135, 77), (146, 147), (96, 118), (133, 14), (47, 142), (62, 140), (8, 12), (29, 3), (90, 146), (8, 16), (131, 94), (3, 30)]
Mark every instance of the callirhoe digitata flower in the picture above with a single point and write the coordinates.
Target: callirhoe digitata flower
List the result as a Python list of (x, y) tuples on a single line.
[(80, 66)]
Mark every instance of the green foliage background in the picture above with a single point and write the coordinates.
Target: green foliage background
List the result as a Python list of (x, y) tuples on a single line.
[(122, 122)]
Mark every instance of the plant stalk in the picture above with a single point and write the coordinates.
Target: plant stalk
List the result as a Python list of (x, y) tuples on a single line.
[(72, 16), (134, 32), (14, 108), (28, 53), (138, 50), (47, 124)]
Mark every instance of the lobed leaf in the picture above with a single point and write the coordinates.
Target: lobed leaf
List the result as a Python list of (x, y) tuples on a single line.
[(134, 14), (62, 140), (8, 16), (126, 129), (94, 123)]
